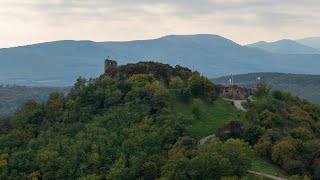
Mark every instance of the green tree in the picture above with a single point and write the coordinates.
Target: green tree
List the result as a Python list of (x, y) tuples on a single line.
[(200, 86), (263, 89), (284, 151)]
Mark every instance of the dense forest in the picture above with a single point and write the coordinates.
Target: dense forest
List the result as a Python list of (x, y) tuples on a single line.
[(302, 85), (13, 96), (143, 121), (285, 130)]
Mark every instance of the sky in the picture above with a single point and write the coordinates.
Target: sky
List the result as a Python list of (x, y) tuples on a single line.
[(243, 21)]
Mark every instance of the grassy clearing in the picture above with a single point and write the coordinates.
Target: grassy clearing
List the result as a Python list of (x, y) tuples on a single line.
[(207, 117), (266, 167)]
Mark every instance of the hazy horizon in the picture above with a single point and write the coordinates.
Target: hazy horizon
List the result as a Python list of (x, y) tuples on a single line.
[(243, 21)]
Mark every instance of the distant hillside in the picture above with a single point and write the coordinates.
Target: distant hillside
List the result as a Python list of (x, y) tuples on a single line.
[(304, 86), (312, 42), (60, 63), (12, 97), (285, 46)]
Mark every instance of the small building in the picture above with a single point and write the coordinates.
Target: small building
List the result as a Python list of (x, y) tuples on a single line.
[(235, 92)]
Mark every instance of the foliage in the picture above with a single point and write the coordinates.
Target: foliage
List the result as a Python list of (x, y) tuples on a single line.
[(263, 89), (206, 117), (144, 122), (200, 86), (213, 160), (284, 129), (121, 127), (13, 96)]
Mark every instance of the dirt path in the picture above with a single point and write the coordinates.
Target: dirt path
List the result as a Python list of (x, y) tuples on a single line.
[(267, 175), (238, 104), (205, 139)]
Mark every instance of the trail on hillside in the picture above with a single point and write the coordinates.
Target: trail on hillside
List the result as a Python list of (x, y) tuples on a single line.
[(238, 105), (205, 139), (267, 175)]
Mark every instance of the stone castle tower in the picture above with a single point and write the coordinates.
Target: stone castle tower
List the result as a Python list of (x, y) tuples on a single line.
[(110, 67)]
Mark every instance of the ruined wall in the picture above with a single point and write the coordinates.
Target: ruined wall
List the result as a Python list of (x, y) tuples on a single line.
[(110, 67), (235, 92)]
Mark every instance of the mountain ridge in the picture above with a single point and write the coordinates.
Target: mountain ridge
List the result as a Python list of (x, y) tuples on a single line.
[(284, 46), (311, 41), (59, 63)]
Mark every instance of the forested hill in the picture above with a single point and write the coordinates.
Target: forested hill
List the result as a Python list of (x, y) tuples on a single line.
[(143, 121), (304, 86), (13, 96)]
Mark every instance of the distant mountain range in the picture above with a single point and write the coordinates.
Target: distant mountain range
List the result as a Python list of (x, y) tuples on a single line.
[(311, 42), (60, 63), (304, 86), (285, 46)]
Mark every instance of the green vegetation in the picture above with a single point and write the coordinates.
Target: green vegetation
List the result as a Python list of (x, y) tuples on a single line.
[(143, 121), (209, 116), (263, 166), (285, 129), (119, 127), (304, 86), (13, 96)]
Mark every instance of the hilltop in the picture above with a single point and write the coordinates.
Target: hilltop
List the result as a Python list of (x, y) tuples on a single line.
[(302, 85), (311, 42), (60, 63), (143, 121), (284, 46)]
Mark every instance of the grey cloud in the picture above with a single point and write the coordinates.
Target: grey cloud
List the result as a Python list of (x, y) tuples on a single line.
[(216, 16), (264, 9)]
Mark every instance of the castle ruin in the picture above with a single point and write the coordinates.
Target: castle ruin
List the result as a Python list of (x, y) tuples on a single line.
[(110, 67), (235, 92)]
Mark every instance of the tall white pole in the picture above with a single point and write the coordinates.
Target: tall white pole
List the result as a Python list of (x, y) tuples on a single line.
[(232, 79)]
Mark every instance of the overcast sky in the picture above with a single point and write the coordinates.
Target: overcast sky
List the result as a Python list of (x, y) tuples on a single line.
[(243, 21)]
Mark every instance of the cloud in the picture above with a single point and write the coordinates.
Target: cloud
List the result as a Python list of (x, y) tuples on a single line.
[(241, 20)]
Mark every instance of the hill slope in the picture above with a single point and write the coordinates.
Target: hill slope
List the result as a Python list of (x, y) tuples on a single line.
[(60, 63), (121, 127), (285, 46), (304, 86), (142, 121), (311, 42), (12, 97)]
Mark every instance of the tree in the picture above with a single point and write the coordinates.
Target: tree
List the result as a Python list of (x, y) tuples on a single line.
[(212, 160), (284, 151), (200, 86), (263, 147), (252, 133), (269, 119), (51, 164), (301, 133), (263, 89)]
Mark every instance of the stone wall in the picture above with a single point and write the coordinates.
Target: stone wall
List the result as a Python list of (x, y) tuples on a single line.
[(234, 92), (110, 67)]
